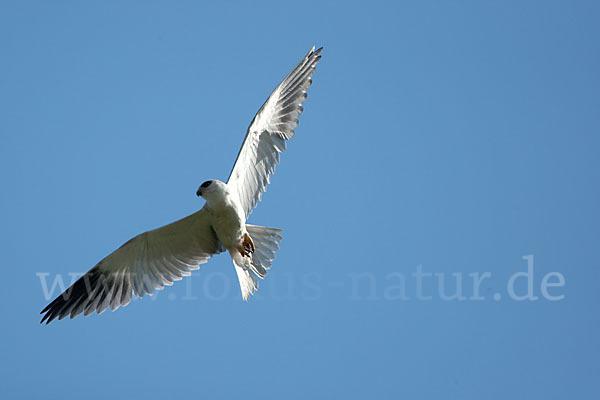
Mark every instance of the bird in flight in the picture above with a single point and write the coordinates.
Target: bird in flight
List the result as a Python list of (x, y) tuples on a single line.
[(159, 257)]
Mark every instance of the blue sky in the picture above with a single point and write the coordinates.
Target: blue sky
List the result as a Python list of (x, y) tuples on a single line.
[(450, 138)]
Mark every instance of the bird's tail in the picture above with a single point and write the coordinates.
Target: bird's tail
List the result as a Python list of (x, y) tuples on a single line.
[(266, 243)]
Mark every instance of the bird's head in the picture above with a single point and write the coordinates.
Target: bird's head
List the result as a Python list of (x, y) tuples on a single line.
[(210, 189)]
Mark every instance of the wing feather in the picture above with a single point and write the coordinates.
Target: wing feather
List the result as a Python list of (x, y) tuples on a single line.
[(142, 265), (271, 127)]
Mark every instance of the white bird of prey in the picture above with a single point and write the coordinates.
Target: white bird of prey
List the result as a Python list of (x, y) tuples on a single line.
[(156, 258)]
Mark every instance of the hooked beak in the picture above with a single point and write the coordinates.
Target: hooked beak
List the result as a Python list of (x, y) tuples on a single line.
[(199, 192)]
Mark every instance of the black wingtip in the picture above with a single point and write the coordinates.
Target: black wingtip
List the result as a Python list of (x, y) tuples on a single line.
[(46, 312), (313, 52), (48, 317), (80, 291)]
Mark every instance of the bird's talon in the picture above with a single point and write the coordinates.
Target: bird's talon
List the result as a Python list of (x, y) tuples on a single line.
[(247, 247)]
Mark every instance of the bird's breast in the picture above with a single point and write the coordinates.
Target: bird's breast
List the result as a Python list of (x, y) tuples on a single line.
[(228, 224)]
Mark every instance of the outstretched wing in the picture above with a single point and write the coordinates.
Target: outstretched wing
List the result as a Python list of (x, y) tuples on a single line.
[(271, 127), (145, 263)]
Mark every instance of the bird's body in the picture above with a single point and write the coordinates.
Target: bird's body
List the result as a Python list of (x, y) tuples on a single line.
[(161, 256), (226, 216)]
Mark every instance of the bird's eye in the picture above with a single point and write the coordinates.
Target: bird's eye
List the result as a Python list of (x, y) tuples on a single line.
[(205, 184)]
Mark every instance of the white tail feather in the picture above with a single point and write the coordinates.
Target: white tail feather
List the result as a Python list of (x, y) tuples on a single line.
[(266, 243)]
